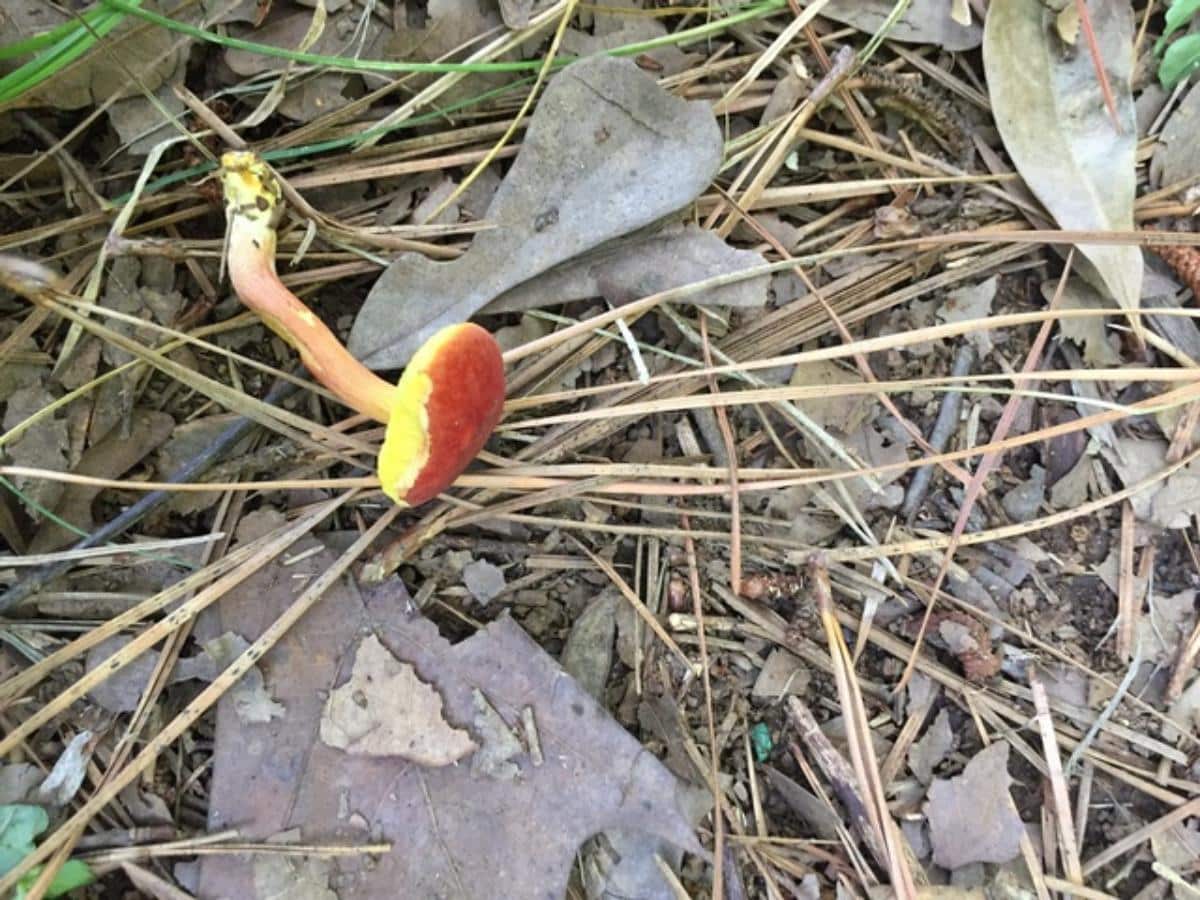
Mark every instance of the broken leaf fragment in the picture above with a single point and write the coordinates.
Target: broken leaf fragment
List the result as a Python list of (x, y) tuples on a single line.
[(971, 817), (386, 710)]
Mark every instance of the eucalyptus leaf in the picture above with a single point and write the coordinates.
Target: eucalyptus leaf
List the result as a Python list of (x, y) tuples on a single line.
[(1052, 116)]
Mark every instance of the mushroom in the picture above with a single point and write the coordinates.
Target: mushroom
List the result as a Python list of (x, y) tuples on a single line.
[(447, 402)]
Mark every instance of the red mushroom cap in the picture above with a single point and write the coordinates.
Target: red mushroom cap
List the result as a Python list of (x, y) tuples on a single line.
[(446, 405)]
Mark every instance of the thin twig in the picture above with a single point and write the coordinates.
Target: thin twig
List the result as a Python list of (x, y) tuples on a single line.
[(944, 426)]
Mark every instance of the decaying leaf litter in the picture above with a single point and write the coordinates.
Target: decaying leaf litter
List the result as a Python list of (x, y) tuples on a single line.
[(742, 281)]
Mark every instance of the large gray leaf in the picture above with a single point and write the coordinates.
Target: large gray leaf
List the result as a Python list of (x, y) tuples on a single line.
[(924, 22), (626, 270), (607, 152), (1051, 113), (509, 829)]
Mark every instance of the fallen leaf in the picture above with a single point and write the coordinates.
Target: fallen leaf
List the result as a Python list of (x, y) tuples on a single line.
[(971, 817), (782, 674), (1177, 158), (483, 579), (188, 441), (606, 152), (1109, 572), (250, 698), (1184, 713), (452, 832), (922, 22), (499, 745), (385, 710), (112, 457), (1164, 627), (1056, 127), (123, 293), (1066, 24), (18, 782), (588, 653), (971, 301), (516, 12), (877, 449), (224, 11), (844, 414), (1169, 502), (628, 270), (307, 98), (932, 747), (141, 124), (813, 811), (1178, 848), (1178, 503), (428, 32), (305, 878), (43, 445), (1089, 333), (668, 60), (64, 779), (122, 690), (422, 213), (1072, 489), (1023, 502), (133, 48), (628, 863), (145, 807)]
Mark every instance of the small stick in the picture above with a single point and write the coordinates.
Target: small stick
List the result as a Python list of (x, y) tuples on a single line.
[(1179, 814), (709, 716), (1068, 848), (1184, 664), (735, 500), (1127, 605), (943, 427), (840, 775)]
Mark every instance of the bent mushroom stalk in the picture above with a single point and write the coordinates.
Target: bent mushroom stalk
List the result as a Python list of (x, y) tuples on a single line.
[(447, 402)]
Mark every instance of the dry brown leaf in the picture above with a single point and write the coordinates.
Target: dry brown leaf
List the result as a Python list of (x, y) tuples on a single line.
[(386, 710), (971, 817), (934, 746), (628, 270), (451, 830), (112, 457), (845, 414)]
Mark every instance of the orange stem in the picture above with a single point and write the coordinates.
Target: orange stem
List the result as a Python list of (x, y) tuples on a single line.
[(252, 207)]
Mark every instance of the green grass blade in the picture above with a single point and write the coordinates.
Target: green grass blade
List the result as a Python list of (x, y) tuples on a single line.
[(76, 41), (377, 65), (39, 41)]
